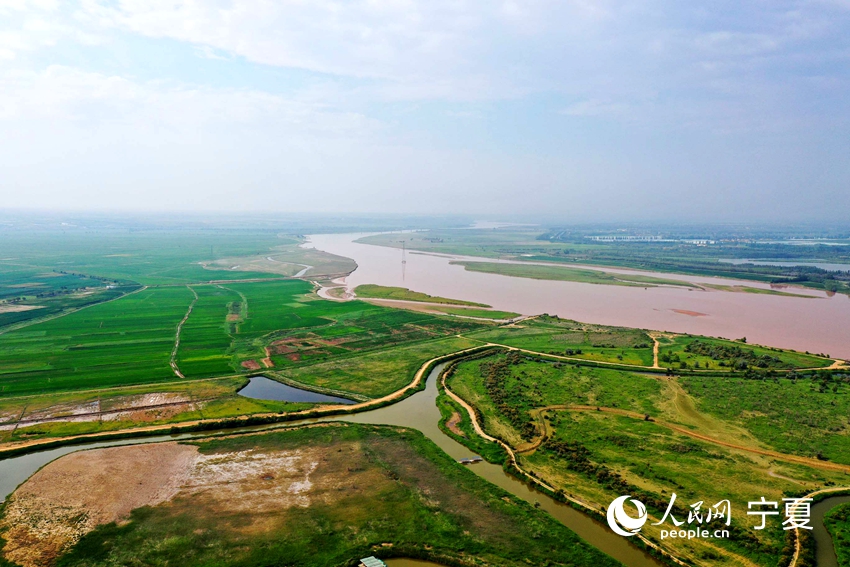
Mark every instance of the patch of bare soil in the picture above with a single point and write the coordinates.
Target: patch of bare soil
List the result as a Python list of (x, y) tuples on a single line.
[(16, 308), (70, 411), (451, 424), (76, 493), (232, 317), (689, 313), (71, 496), (250, 365)]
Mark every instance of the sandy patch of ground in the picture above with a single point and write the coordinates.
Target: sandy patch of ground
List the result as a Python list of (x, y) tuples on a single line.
[(143, 407), (232, 317), (73, 495), (64, 410), (689, 313), (251, 365), (15, 308)]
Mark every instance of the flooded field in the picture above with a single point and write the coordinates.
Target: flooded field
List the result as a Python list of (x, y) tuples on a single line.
[(818, 323)]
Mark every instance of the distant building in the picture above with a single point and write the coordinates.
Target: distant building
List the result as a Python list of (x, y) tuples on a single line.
[(371, 562)]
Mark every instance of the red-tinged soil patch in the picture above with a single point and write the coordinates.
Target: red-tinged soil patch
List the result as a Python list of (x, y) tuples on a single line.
[(251, 365), (232, 317), (689, 313), (452, 423)]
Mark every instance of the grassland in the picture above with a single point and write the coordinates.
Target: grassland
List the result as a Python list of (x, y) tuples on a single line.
[(559, 273), (596, 434), (578, 340), (314, 496), (837, 522), (289, 259), (687, 351), (375, 374), (800, 416), (372, 291)]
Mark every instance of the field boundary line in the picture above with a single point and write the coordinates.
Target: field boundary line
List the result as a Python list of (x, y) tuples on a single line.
[(173, 361)]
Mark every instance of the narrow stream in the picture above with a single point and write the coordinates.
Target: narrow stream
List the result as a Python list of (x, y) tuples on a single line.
[(420, 411)]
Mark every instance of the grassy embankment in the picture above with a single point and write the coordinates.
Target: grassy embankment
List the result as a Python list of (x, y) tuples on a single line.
[(370, 291), (435, 304), (837, 522), (314, 496), (599, 433)]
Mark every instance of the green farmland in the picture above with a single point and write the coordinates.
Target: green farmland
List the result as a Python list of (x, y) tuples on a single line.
[(229, 330)]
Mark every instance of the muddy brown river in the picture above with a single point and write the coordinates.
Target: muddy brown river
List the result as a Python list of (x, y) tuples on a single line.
[(819, 323)]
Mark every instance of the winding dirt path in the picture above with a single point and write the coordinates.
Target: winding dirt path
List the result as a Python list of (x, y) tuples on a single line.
[(173, 361), (534, 480)]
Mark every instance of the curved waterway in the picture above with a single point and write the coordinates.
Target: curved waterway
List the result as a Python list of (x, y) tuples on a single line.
[(418, 411), (825, 550), (816, 323)]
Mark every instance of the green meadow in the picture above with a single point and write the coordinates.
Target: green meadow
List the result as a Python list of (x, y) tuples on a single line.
[(594, 434), (563, 337)]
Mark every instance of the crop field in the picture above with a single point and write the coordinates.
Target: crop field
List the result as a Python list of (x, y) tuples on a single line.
[(312, 496), (718, 354), (127, 341), (837, 521), (571, 338), (229, 328), (403, 294), (559, 273), (596, 434)]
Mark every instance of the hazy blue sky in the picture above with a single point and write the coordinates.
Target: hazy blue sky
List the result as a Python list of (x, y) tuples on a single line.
[(581, 109)]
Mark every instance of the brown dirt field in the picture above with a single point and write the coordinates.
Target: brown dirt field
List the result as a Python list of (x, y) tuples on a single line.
[(232, 317), (689, 313), (78, 492), (251, 365), (73, 495)]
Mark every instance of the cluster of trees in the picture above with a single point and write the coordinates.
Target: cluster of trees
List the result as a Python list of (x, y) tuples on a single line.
[(731, 355), (507, 402)]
